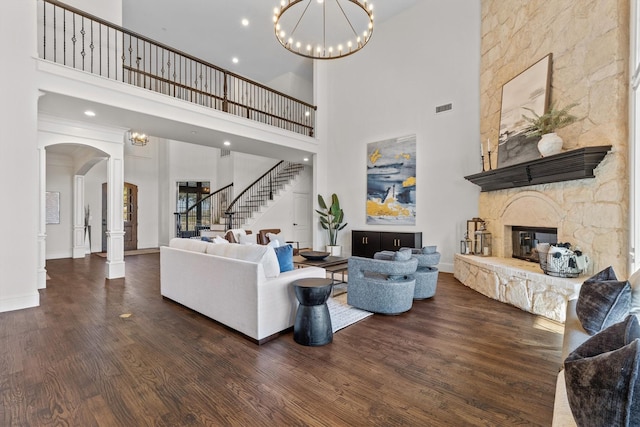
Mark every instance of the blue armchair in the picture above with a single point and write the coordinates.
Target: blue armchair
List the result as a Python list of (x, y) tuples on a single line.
[(382, 286), (426, 273)]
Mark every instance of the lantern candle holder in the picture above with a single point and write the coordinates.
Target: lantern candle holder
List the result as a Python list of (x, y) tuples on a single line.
[(482, 242)]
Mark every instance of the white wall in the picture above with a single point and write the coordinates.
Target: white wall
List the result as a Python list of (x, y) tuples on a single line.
[(60, 179), (293, 85), (19, 225), (109, 10), (247, 168), (418, 60)]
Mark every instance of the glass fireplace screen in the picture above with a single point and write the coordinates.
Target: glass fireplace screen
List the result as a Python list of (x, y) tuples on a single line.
[(525, 240)]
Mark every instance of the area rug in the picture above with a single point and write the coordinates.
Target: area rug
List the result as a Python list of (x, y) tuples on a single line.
[(342, 314)]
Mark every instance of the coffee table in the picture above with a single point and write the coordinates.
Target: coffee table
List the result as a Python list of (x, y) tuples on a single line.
[(332, 264)]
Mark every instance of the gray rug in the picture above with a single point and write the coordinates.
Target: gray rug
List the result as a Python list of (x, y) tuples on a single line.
[(342, 314)]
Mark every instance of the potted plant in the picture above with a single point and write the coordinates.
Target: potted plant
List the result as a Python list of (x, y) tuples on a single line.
[(546, 125), (331, 220)]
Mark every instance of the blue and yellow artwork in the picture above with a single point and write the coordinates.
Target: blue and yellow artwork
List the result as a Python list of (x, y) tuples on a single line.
[(391, 181)]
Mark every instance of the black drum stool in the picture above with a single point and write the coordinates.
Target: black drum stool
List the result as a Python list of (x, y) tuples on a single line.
[(313, 323)]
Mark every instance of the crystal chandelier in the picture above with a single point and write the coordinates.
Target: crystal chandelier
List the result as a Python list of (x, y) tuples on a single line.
[(323, 29)]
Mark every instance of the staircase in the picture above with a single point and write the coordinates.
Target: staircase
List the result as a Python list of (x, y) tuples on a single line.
[(260, 193)]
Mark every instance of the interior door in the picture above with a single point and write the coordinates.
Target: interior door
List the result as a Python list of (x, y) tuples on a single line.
[(130, 216), (301, 220), (130, 209)]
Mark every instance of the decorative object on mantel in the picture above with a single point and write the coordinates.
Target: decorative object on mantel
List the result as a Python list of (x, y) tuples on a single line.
[(559, 260), (566, 166), (546, 125), (482, 241), (488, 153), (530, 89)]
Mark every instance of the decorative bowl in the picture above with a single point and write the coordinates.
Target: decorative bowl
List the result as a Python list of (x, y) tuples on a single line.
[(314, 255)]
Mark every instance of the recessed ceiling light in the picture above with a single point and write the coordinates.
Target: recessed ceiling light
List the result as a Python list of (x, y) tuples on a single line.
[(245, 22), (227, 143), (89, 113), (234, 60), (306, 159)]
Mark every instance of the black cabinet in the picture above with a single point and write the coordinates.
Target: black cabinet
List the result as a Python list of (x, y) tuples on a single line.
[(367, 243)]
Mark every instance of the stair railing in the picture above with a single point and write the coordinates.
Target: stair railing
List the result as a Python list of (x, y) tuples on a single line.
[(187, 224), (260, 192), (76, 39)]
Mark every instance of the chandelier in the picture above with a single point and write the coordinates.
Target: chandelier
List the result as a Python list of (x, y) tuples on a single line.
[(323, 29), (138, 139)]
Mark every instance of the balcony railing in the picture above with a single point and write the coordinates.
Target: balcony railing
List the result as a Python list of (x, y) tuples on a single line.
[(79, 40)]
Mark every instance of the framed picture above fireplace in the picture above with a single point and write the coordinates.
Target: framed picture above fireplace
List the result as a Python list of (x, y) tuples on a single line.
[(529, 89)]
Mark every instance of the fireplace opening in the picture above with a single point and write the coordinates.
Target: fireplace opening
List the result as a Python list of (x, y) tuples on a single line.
[(525, 240)]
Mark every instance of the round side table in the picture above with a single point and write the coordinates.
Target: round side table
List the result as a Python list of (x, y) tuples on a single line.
[(313, 323)]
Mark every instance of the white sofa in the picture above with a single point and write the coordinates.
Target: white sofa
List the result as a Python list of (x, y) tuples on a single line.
[(239, 286), (574, 335)]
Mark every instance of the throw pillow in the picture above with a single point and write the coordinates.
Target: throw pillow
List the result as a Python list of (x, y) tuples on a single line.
[(634, 281), (206, 239), (220, 240), (276, 237), (285, 257), (601, 377), (403, 255), (603, 301), (248, 239), (273, 244)]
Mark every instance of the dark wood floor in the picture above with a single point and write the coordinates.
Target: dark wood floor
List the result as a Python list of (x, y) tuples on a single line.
[(459, 359)]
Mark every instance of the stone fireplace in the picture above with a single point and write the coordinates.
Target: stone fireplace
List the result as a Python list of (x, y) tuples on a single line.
[(517, 281)]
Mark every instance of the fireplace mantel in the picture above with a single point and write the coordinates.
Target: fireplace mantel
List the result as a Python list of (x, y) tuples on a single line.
[(566, 166)]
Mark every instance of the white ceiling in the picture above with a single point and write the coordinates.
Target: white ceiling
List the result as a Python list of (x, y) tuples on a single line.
[(211, 30)]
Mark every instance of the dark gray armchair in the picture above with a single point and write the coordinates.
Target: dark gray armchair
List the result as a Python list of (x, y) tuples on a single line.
[(382, 286)]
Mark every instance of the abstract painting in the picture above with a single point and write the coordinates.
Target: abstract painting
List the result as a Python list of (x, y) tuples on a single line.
[(391, 181), (528, 89)]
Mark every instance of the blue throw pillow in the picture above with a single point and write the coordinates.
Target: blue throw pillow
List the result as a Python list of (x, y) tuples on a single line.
[(285, 257)]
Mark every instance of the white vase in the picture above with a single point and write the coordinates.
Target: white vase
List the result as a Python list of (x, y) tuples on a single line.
[(334, 250), (550, 144)]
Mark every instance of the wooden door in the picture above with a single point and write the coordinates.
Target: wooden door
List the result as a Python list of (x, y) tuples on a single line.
[(130, 215)]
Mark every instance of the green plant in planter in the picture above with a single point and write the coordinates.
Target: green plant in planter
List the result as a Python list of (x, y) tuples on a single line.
[(549, 122), (331, 217)]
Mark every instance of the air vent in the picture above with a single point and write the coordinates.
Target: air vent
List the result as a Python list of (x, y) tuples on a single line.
[(442, 108), (224, 152)]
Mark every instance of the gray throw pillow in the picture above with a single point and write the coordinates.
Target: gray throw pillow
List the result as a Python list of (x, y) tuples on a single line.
[(603, 301), (403, 255), (601, 377)]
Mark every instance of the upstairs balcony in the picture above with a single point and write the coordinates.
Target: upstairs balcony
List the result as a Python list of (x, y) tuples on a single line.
[(76, 39)]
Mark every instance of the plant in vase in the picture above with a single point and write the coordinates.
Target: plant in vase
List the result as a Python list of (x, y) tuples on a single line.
[(331, 217), (546, 125)]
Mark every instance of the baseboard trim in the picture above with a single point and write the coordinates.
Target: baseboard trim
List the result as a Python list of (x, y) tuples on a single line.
[(20, 302)]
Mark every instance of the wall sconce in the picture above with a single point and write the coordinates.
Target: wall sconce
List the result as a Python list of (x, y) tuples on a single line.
[(138, 139)]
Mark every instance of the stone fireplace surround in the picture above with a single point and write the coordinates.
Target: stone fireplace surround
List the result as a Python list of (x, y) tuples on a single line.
[(517, 282)]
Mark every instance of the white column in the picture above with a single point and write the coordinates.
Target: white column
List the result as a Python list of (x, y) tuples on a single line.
[(79, 249), (42, 220), (115, 220)]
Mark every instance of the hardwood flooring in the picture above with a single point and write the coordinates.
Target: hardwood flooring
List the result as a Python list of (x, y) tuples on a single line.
[(458, 359)]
